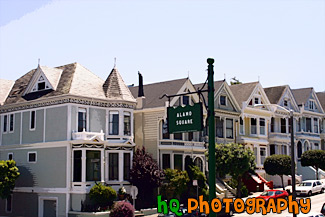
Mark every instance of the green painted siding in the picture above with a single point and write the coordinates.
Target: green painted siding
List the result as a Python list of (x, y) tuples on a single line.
[(56, 124), (97, 119), (33, 136), (11, 138), (48, 172)]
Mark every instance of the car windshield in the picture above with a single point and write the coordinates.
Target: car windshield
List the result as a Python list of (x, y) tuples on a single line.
[(267, 193), (305, 184)]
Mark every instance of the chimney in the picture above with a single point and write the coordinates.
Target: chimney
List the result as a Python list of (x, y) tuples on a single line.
[(141, 99), (140, 92)]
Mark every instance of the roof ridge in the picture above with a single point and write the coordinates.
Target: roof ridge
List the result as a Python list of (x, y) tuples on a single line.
[(162, 82)]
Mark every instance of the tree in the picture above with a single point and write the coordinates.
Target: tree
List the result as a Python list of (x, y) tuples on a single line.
[(8, 176), (314, 158), (145, 174), (175, 183), (278, 165), (234, 159), (102, 195)]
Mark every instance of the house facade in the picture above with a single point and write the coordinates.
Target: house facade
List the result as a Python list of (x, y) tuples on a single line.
[(66, 129)]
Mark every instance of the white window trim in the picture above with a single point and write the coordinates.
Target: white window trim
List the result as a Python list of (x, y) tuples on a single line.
[(127, 113), (250, 126), (32, 152), (47, 83), (12, 197), (120, 165), (30, 120), (259, 125), (13, 123), (118, 112), (10, 153), (87, 118), (41, 205), (243, 133), (311, 102)]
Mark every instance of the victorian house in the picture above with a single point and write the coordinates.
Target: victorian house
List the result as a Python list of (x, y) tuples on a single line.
[(253, 122), (67, 129), (308, 133), (321, 98), (170, 150)]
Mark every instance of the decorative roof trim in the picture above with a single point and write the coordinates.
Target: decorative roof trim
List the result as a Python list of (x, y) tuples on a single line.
[(68, 99)]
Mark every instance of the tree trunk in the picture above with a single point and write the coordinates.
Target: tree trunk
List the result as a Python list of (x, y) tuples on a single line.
[(316, 173), (238, 193), (282, 181)]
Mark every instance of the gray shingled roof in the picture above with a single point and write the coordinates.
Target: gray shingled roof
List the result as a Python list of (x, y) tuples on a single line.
[(321, 98), (301, 95), (75, 80), (242, 91), (5, 87), (152, 92), (274, 93)]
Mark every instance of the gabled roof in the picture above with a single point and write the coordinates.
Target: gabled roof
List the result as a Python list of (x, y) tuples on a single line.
[(217, 85), (301, 95), (115, 88), (75, 80), (154, 91), (274, 93), (5, 86), (321, 98), (243, 91)]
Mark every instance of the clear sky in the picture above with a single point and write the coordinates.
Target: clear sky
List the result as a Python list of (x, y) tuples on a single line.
[(278, 41)]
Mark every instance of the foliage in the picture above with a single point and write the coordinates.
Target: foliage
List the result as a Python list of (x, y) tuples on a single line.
[(234, 159), (175, 183), (234, 81), (122, 209), (121, 191), (278, 164), (102, 195), (145, 172), (146, 175), (8, 176), (195, 173), (314, 158)]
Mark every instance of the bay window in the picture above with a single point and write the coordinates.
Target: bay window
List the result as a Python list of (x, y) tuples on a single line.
[(113, 170), (315, 125), (178, 162), (87, 165), (77, 165), (272, 125), (262, 154), (127, 166), (219, 127), (93, 166), (308, 125), (165, 161), (241, 126), (283, 125)]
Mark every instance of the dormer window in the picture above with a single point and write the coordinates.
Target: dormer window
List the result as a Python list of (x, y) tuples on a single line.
[(222, 100), (285, 102), (186, 100), (312, 105), (256, 100), (41, 84)]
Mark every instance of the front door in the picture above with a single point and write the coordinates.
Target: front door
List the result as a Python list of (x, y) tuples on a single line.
[(48, 207)]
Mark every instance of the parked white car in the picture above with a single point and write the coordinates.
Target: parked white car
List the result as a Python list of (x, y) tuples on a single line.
[(311, 214), (309, 187)]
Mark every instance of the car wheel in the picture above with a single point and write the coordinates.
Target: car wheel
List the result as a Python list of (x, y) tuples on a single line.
[(309, 193), (322, 191)]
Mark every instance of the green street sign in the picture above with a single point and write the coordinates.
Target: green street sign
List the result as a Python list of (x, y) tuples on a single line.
[(185, 119)]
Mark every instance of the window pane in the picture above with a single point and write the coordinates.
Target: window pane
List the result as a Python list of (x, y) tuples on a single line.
[(283, 125), (11, 122), (198, 162), (113, 123), (272, 124), (222, 100), (178, 136), (77, 166), (241, 126), (32, 120), (272, 149), (9, 204), (82, 120), (315, 125), (32, 157), (229, 128), (113, 166), (93, 166), (263, 155), (186, 100), (5, 123), (308, 124), (262, 126), (219, 127), (127, 166), (166, 161), (165, 130), (178, 162), (127, 124), (253, 126)]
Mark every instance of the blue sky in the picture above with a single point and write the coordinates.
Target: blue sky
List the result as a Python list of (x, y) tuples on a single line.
[(278, 41)]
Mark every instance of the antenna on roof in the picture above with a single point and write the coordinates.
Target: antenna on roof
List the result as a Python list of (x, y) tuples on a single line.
[(258, 78), (224, 76), (114, 62), (39, 61), (188, 74)]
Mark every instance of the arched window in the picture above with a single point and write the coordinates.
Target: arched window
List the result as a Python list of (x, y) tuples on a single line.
[(199, 163)]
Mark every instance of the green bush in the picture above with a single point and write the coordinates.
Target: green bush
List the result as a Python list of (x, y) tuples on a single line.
[(102, 195), (122, 209)]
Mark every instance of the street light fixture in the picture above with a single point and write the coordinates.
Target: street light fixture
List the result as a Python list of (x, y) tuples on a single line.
[(293, 174)]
